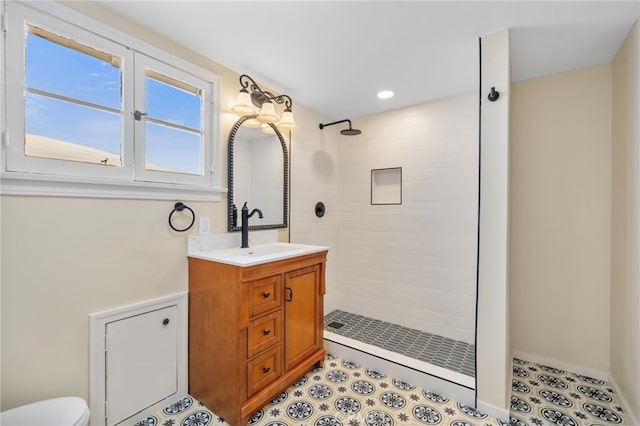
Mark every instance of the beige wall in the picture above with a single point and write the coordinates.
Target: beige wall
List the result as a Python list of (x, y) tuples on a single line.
[(493, 353), (625, 230), (64, 258), (560, 217)]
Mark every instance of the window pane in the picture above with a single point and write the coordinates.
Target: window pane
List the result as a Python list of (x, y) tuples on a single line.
[(171, 104), (66, 131), (172, 150), (69, 72)]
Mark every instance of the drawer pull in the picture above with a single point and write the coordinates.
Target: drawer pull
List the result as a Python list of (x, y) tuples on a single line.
[(265, 295), (265, 370), (266, 332)]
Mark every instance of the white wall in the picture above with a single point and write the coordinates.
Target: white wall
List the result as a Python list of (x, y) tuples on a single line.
[(412, 264), (625, 219), (560, 217), (314, 177), (493, 353)]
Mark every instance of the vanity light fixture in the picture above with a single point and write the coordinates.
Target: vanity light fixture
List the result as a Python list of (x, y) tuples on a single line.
[(251, 96)]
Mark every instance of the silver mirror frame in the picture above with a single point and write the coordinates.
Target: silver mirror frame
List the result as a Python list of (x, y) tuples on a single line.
[(285, 192)]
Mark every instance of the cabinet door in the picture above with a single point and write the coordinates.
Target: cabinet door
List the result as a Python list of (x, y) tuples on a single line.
[(141, 362), (302, 314)]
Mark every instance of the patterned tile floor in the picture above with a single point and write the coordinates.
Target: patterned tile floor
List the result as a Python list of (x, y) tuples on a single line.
[(542, 395), (345, 394), (447, 353)]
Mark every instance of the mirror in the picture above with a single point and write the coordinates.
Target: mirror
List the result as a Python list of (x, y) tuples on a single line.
[(258, 175)]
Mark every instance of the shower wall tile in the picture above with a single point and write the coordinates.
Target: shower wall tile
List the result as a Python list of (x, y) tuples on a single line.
[(314, 177), (412, 264)]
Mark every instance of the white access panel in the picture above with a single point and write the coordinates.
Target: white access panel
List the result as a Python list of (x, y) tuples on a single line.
[(141, 362)]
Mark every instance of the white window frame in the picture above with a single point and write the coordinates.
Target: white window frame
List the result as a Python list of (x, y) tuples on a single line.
[(16, 160), (40, 176)]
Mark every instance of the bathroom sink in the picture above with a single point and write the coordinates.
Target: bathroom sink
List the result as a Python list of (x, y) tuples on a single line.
[(268, 249), (257, 254)]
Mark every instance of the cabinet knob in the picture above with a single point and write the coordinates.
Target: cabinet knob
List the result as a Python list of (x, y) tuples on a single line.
[(266, 332), (265, 370), (165, 321), (265, 295)]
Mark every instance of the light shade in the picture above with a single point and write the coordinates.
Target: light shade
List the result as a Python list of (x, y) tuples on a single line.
[(287, 121), (268, 113), (268, 129), (243, 105)]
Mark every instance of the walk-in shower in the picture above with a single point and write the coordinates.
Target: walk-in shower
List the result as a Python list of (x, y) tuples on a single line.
[(404, 290)]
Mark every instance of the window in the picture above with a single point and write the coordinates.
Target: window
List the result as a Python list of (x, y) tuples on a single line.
[(170, 122), (72, 101), (87, 109)]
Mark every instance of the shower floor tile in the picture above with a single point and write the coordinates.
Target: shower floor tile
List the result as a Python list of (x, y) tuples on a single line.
[(453, 355)]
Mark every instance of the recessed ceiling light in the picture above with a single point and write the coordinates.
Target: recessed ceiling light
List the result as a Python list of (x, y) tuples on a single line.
[(385, 94)]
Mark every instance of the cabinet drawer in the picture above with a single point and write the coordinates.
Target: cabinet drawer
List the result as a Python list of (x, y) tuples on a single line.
[(264, 369), (264, 331), (266, 294)]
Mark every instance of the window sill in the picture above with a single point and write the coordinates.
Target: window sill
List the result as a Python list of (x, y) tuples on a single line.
[(55, 186)]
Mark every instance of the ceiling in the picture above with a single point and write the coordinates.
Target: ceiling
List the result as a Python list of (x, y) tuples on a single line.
[(334, 56)]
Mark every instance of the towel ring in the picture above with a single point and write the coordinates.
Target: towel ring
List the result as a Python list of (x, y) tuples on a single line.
[(178, 208)]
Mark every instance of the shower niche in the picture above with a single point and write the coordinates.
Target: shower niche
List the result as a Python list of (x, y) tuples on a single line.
[(386, 186)]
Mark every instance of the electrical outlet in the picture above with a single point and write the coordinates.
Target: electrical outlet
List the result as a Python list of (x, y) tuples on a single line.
[(204, 227)]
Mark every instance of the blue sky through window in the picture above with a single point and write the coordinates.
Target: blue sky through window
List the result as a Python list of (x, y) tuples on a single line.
[(173, 105), (64, 71), (67, 72)]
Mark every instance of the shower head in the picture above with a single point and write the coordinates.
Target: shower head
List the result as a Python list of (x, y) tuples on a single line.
[(350, 132), (345, 132)]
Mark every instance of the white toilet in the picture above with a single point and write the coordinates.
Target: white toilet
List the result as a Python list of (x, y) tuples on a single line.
[(65, 411)]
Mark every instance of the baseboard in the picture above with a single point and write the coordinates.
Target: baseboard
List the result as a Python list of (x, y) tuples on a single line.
[(492, 410), (552, 362), (632, 417)]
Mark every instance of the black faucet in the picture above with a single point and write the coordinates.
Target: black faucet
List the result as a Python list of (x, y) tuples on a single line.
[(245, 224)]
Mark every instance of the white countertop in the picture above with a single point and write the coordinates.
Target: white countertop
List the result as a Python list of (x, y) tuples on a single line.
[(224, 248)]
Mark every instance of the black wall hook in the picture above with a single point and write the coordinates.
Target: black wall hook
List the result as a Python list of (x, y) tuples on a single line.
[(493, 95)]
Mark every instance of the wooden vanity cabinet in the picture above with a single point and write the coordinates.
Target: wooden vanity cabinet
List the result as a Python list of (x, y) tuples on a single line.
[(253, 331)]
